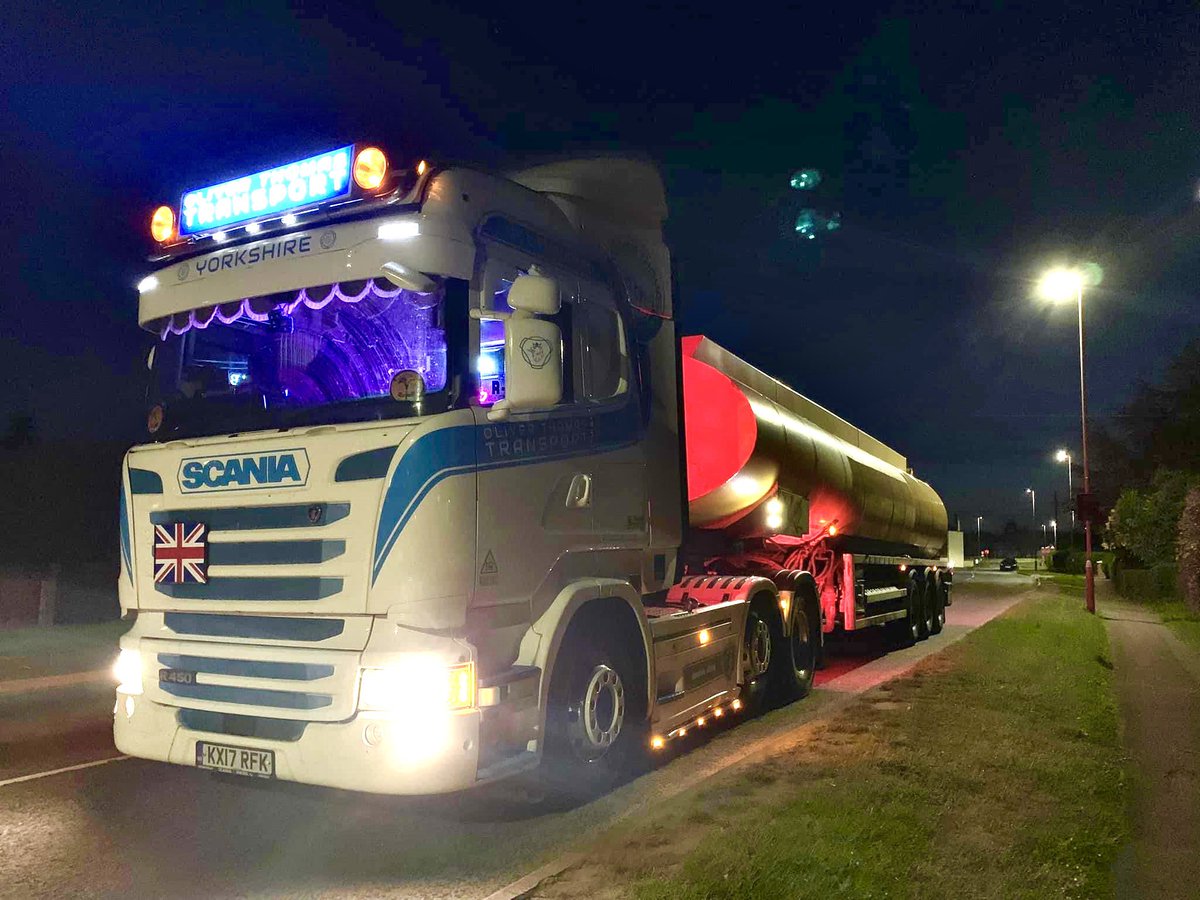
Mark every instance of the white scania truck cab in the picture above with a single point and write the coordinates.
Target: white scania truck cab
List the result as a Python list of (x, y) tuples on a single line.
[(412, 513)]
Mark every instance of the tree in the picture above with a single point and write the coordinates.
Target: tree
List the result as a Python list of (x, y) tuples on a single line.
[(1144, 523), (1189, 549)]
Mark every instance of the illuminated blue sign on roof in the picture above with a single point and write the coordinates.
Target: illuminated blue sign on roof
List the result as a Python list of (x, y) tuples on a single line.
[(273, 192)]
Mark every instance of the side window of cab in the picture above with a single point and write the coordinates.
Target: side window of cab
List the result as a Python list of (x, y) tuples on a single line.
[(600, 352)]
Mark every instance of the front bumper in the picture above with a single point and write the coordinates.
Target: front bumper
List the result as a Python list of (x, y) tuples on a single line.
[(368, 752)]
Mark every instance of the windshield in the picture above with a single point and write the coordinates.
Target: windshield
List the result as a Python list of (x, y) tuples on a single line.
[(336, 352)]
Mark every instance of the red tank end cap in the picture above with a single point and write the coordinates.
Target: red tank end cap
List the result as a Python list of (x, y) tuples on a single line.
[(718, 425)]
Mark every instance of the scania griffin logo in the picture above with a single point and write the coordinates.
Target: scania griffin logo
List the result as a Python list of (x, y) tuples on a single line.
[(281, 469)]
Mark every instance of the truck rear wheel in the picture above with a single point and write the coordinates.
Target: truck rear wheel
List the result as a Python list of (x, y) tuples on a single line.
[(907, 631), (937, 602), (796, 678), (924, 600), (596, 721)]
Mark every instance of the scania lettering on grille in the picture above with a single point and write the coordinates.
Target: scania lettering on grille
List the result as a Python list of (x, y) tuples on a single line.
[(281, 469)]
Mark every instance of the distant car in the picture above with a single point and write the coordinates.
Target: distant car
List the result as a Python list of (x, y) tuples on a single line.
[(1008, 564)]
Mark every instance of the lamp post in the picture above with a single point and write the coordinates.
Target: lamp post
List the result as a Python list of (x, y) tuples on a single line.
[(979, 536), (1033, 518), (1054, 525), (1064, 456), (1061, 286)]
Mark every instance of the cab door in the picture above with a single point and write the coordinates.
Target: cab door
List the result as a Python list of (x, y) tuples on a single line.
[(535, 523)]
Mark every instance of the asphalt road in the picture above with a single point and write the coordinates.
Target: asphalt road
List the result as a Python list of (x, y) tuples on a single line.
[(131, 828)]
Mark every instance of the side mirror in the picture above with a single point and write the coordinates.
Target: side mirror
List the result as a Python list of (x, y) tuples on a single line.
[(533, 366), (534, 293)]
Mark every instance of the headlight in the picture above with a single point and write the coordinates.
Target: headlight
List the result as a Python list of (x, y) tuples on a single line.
[(417, 684), (128, 672)]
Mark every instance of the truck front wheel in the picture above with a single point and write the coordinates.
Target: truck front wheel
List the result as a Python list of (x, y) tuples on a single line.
[(596, 722), (937, 602)]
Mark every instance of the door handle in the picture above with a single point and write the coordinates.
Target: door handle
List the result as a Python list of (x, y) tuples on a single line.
[(579, 495)]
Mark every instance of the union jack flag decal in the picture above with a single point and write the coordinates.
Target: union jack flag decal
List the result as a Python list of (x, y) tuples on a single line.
[(180, 553)]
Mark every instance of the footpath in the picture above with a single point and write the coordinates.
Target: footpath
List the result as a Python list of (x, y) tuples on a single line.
[(1158, 689)]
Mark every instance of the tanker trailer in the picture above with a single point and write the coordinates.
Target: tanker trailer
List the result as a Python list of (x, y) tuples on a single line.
[(779, 486)]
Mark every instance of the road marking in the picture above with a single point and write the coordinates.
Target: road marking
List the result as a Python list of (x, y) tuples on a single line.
[(75, 768), (25, 685)]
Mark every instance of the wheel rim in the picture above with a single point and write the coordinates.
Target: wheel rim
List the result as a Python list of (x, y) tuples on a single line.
[(914, 624), (600, 713), (758, 649)]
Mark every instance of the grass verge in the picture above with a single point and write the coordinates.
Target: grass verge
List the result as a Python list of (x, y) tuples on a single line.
[(31, 652), (1180, 619), (994, 770)]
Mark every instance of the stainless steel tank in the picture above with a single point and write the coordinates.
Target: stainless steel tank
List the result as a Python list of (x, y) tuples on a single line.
[(750, 437)]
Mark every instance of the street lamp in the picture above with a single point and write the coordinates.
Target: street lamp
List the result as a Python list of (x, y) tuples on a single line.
[(1033, 509), (1064, 456), (979, 536), (1062, 286), (1054, 525)]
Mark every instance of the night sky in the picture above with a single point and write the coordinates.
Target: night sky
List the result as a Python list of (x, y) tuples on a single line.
[(964, 153)]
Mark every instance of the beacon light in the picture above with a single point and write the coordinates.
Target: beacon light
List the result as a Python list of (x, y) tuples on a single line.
[(370, 168), (162, 224), (289, 220), (253, 228), (220, 237)]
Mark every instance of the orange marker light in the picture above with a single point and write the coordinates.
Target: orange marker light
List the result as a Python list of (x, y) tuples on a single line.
[(162, 224), (421, 167), (832, 530), (370, 168), (705, 636), (700, 722), (656, 742), (903, 567), (736, 705)]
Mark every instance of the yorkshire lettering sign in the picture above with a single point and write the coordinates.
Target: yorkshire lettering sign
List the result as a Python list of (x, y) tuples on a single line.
[(325, 176), (282, 469)]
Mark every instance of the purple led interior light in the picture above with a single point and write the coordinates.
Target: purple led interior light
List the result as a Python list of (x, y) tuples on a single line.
[(181, 322)]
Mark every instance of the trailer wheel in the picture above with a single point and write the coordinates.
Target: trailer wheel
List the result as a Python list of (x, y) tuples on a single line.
[(937, 602), (796, 677), (907, 631), (924, 608), (596, 722)]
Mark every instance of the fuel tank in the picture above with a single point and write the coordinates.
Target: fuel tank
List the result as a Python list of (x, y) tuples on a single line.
[(751, 438)]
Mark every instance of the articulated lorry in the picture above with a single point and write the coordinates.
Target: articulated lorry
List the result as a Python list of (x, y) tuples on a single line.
[(432, 492)]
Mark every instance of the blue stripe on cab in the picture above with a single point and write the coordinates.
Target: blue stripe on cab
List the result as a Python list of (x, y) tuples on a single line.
[(273, 553), (431, 458), (366, 465), (247, 518), (125, 544), (279, 588), (143, 481), (267, 628)]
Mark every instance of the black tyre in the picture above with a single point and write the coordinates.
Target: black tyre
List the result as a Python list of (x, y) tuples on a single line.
[(937, 602), (596, 724), (795, 675), (924, 608), (907, 631), (758, 651)]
